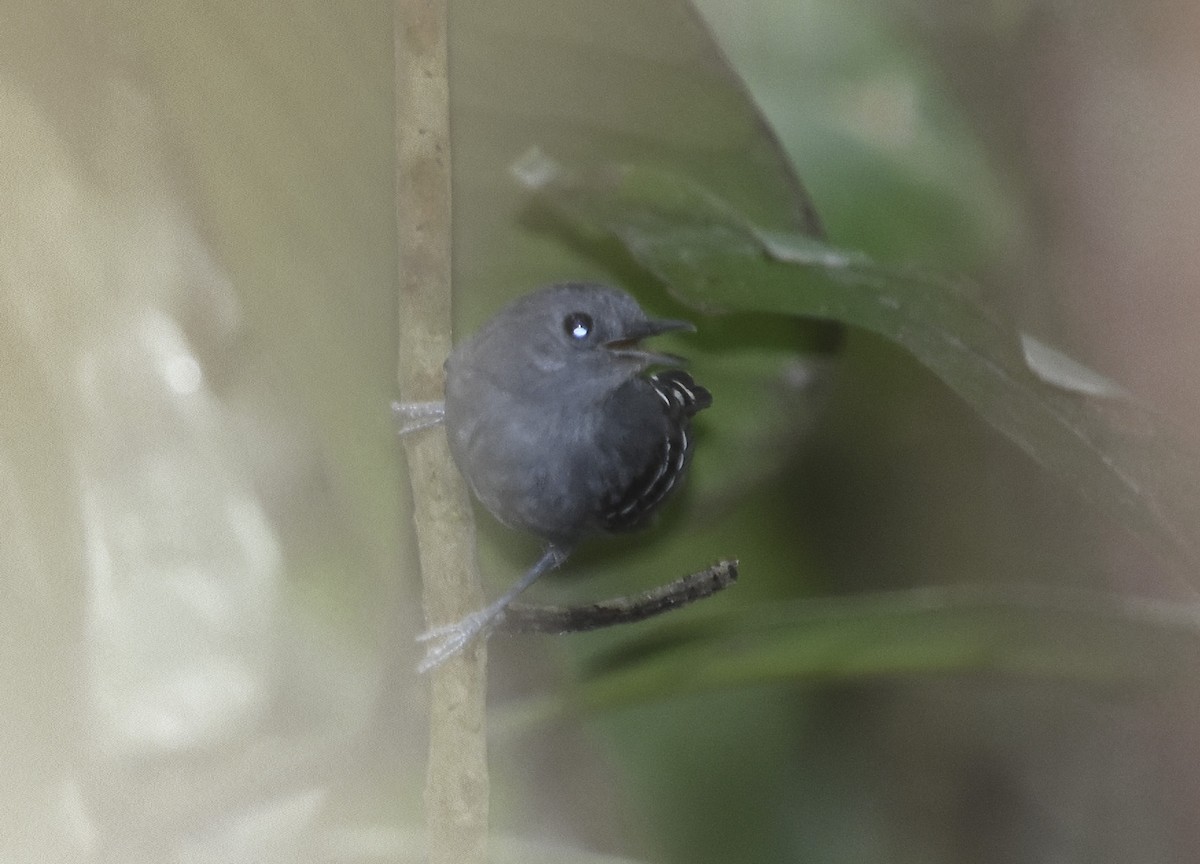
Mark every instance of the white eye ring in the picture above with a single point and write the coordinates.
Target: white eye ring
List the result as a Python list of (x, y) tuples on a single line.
[(578, 325)]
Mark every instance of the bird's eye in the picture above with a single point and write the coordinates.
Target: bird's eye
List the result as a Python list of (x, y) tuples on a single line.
[(578, 325)]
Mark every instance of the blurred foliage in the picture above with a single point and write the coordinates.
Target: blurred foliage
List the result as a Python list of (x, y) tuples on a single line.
[(222, 171), (1029, 631), (1069, 419), (861, 475)]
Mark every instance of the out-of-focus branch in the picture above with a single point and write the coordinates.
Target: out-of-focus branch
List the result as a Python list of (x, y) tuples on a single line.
[(456, 791)]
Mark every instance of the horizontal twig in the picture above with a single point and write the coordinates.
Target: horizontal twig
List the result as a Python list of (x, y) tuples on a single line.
[(524, 618)]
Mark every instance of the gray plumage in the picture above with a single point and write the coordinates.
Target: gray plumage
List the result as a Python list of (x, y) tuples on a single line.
[(552, 423), (559, 429)]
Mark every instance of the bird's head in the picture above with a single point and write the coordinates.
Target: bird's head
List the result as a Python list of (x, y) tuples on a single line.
[(578, 338), (591, 327)]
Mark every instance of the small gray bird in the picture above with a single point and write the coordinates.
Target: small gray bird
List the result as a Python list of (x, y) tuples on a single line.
[(558, 428)]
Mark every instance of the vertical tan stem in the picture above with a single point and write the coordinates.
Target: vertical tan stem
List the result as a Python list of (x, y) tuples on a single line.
[(456, 790)]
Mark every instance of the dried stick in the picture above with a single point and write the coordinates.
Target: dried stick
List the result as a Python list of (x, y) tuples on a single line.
[(456, 788), (524, 618)]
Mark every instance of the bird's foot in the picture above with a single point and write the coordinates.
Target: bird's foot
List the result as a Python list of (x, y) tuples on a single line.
[(450, 639)]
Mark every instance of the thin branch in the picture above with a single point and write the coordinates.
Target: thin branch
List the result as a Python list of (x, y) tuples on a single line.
[(456, 789), (523, 618)]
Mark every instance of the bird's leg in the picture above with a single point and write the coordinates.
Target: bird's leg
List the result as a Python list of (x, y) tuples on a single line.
[(450, 639), (414, 416)]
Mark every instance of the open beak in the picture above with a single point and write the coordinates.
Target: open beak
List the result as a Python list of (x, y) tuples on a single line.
[(628, 347)]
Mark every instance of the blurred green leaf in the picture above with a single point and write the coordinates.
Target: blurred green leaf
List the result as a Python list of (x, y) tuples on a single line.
[(594, 82), (886, 148), (1091, 638), (1118, 455)]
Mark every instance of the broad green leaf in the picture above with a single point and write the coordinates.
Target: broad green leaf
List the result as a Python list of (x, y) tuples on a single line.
[(1090, 638), (595, 82), (1117, 454)]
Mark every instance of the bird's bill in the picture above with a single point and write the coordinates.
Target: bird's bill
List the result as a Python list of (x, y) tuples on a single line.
[(628, 347)]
